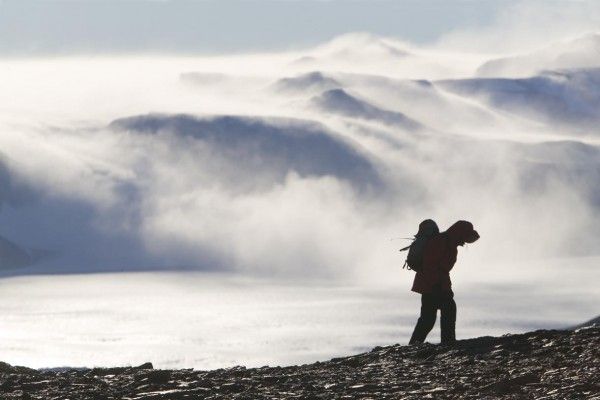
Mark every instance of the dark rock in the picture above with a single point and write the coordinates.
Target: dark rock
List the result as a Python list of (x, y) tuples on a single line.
[(541, 364), (147, 365), (158, 377)]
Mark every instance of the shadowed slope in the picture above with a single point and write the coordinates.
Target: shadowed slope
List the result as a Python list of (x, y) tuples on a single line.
[(592, 322), (338, 101), (569, 97), (14, 194), (265, 151), (13, 256), (312, 82)]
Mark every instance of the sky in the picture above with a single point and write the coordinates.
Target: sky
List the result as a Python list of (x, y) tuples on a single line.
[(57, 27)]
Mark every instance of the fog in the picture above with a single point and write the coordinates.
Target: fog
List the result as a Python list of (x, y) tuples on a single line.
[(522, 27), (298, 165)]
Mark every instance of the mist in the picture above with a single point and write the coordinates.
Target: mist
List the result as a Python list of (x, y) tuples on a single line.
[(296, 165)]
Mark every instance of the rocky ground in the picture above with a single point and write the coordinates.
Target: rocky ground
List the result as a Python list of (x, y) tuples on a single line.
[(536, 365)]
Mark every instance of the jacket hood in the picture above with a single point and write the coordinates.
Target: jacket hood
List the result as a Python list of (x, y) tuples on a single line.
[(427, 228), (462, 232)]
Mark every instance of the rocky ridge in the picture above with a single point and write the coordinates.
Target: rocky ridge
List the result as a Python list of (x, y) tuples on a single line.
[(536, 365)]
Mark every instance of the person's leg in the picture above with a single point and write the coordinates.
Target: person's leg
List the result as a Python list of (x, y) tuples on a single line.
[(426, 320), (448, 318)]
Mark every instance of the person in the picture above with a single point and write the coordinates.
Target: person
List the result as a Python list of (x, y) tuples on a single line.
[(432, 281)]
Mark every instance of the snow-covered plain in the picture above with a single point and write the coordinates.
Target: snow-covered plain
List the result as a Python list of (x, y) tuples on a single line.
[(211, 211), (208, 320)]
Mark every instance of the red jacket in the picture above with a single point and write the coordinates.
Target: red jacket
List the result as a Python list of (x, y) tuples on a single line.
[(439, 257)]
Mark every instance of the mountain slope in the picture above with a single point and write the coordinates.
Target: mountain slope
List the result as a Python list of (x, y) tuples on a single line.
[(13, 256), (262, 150), (568, 97), (541, 364), (592, 322), (312, 82), (340, 102)]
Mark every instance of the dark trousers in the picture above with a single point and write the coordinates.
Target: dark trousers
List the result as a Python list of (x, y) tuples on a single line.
[(430, 303)]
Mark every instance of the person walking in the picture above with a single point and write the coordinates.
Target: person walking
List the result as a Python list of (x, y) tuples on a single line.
[(432, 281)]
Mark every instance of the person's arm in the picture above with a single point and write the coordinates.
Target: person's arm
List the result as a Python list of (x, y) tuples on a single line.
[(449, 260)]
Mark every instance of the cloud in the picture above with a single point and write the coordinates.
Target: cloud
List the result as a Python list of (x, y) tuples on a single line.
[(287, 170), (526, 25)]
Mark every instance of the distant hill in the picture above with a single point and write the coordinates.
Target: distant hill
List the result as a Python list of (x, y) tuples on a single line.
[(565, 97), (264, 150), (356, 47), (340, 102), (307, 83), (582, 52), (13, 256), (591, 322)]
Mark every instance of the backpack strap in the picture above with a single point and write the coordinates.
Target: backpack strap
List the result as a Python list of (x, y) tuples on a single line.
[(406, 248)]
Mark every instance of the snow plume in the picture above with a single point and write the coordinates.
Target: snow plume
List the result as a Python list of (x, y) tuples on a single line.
[(297, 164), (527, 25)]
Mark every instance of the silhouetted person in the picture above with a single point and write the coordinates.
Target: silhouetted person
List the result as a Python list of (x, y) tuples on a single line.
[(433, 281)]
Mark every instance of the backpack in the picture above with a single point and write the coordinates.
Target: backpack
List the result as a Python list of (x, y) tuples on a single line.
[(414, 258)]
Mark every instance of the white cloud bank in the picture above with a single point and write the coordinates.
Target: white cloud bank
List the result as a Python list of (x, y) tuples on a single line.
[(255, 163)]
